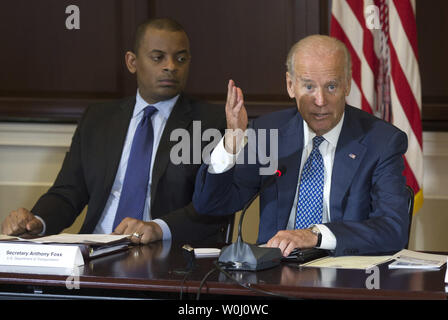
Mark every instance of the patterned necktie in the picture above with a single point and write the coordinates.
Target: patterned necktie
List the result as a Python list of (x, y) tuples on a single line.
[(135, 184), (311, 189)]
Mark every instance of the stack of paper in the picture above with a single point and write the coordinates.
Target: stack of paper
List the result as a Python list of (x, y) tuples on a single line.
[(407, 259), (348, 262)]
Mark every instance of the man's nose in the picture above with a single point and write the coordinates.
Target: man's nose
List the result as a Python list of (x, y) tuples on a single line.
[(320, 98), (170, 65)]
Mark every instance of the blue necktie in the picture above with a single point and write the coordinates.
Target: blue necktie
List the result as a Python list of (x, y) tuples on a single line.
[(311, 189), (135, 184)]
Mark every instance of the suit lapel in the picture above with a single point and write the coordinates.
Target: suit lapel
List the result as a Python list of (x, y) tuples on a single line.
[(118, 128), (290, 154), (180, 117), (348, 157)]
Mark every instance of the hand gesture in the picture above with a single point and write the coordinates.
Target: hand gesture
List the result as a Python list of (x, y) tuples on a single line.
[(236, 116)]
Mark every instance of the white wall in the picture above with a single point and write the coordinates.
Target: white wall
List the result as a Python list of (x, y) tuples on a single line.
[(30, 158), (31, 155)]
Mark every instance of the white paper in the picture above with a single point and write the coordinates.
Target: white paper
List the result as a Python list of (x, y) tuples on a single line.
[(206, 252), (408, 259), (69, 238), (79, 238), (348, 262)]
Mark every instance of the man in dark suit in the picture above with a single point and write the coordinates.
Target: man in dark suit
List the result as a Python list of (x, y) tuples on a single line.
[(343, 189), (97, 169)]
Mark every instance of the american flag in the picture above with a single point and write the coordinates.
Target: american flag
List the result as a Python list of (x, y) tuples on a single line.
[(381, 36)]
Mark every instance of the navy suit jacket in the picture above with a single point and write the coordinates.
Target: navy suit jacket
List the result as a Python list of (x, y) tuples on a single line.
[(368, 199)]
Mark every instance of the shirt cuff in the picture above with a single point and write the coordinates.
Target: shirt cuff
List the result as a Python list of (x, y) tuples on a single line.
[(328, 238), (166, 232), (222, 161), (44, 226)]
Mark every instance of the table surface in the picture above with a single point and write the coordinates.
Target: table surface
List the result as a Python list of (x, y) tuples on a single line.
[(160, 268)]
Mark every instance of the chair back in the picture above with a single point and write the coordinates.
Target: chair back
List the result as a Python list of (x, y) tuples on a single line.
[(410, 210)]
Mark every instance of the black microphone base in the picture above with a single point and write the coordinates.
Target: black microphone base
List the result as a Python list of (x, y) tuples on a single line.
[(249, 257)]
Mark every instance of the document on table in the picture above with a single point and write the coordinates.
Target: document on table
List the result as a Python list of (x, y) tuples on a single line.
[(348, 262), (68, 238), (408, 259)]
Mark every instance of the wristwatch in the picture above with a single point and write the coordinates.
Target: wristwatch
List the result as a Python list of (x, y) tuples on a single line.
[(314, 229)]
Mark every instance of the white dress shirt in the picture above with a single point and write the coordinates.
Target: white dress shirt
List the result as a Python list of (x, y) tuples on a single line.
[(221, 161), (158, 120)]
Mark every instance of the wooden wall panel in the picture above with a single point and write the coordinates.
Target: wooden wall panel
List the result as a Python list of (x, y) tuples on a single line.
[(53, 73), (246, 41), (49, 73), (432, 30)]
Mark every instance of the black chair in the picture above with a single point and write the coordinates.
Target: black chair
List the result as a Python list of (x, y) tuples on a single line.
[(410, 211)]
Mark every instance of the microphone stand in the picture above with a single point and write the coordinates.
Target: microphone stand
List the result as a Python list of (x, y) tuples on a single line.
[(249, 257)]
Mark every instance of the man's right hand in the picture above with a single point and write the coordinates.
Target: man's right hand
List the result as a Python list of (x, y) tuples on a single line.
[(236, 116), (21, 222)]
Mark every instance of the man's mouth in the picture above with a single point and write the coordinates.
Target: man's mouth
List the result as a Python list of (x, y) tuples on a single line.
[(320, 116), (168, 82)]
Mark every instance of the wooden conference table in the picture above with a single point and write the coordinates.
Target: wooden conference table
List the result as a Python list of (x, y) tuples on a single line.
[(158, 271)]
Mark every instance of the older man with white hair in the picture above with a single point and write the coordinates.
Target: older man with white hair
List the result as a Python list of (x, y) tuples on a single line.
[(343, 190)]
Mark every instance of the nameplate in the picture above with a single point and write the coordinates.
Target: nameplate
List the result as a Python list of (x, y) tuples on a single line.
[(40, 255)]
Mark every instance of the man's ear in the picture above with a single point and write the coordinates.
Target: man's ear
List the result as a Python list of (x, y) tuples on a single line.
[(349, 86), (290, 85), (131, 61)]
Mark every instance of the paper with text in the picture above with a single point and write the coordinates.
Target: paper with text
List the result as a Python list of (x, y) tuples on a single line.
[(348, 262)]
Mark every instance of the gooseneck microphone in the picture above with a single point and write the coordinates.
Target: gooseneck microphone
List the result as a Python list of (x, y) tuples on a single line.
[(249, 257)]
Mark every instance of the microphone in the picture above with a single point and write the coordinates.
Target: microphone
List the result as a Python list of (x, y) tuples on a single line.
[(249, 257)]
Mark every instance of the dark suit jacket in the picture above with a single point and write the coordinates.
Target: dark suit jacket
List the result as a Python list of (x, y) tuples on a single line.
[(368, 201), (90, 166)]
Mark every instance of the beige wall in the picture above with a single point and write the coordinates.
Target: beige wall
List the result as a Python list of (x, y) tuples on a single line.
[(31, 155)]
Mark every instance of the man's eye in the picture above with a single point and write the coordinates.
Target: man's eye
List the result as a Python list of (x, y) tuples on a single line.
[(308, 87), (157, 58), (331, 87)]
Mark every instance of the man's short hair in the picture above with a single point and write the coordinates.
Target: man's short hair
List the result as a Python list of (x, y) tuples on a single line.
[(167, 24)]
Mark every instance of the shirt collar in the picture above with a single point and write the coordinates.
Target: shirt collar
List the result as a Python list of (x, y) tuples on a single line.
[(331, 136), (164, 107)]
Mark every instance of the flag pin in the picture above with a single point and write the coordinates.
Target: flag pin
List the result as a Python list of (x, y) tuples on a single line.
[(351, 155)]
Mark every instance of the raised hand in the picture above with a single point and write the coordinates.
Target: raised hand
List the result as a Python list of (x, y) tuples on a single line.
[(236, 116)]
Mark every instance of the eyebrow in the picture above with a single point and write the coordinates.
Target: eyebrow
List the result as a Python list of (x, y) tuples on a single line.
[(305, 80), (161, 51), (332, 81)]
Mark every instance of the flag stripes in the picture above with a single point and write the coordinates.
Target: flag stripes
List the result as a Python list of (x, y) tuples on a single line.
[(385, 74)]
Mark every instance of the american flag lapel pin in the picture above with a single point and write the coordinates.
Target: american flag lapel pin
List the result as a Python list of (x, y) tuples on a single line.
[(353, 156)]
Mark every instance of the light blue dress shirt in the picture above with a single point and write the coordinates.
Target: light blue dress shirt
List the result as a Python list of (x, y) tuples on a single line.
[(158, 120)]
